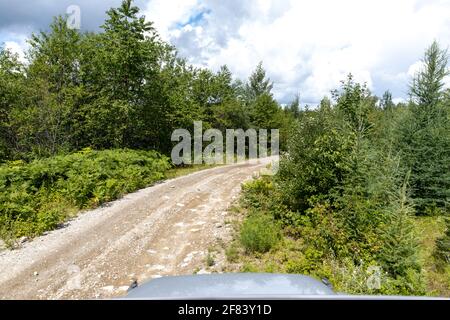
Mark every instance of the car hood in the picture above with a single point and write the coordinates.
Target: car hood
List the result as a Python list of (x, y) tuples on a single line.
[(236, 285)]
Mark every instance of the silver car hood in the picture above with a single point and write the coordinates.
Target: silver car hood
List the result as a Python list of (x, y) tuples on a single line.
[(230, 285)]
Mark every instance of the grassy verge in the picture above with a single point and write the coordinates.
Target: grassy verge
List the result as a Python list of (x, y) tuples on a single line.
[(262, 243), (176, 172), (429, 230)]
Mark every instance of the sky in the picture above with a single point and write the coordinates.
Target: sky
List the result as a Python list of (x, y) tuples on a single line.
[(307, 47)]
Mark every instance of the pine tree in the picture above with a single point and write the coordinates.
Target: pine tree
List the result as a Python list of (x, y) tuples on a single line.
[(386, 101), (425, 135), (258, 84), (264, 112), (427, 84), (128, 50), (442, 251), (399, 249), (294, 107)]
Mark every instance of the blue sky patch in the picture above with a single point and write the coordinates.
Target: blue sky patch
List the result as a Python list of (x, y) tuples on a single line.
[(195, 19)]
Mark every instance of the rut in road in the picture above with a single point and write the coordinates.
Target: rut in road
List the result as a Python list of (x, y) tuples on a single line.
[(162, 230)]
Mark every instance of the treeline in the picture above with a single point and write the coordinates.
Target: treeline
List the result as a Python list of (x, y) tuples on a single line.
[(122, 87), (358, 175), (85, 118)]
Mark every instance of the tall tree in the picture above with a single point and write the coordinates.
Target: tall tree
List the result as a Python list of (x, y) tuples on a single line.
[(52, 78), (128, 46), (424, 137), (354, 101), (11, 94), (386, 101), (399, 251), (121, 66), (258, 84), (427, 85), (294, 107)]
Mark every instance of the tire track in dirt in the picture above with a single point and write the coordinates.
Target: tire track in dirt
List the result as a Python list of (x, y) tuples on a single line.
[(162, 230)]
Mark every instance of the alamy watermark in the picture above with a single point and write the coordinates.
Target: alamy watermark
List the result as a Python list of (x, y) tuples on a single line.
[(236, 148), (374, 279), (73, 17), (74, 279)]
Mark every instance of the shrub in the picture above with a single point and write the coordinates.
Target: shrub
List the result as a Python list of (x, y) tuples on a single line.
[(38, 196), (442, 251), (399, 252), (315, 163), (210, 260), (259, 233), (256, 192)]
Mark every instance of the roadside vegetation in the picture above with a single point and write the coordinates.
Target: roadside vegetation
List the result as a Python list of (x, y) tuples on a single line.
[(362, 194), (38, 196)]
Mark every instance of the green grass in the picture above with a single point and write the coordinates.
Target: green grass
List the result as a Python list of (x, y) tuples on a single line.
[(210, 261), (232, 252), (176, 172), (429, 229)]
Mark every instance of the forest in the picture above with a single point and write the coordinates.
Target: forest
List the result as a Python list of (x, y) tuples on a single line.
[(363, 181)]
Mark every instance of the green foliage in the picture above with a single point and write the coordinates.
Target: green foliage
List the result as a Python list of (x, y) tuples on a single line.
[(336, 196), (386, 101), (259, 233), (423, 134), (119, 88), (322, 247), (427, 85), (442, 251), (255, 192), (294, 107), (353, 103), (258, 84), (43, 120), (428, 157), (11, 90), (232, 252), (260, 194), (122, 87), (341, 197), (315, 162), (264, 111), (399, 251), (210, 260), (36, 197)]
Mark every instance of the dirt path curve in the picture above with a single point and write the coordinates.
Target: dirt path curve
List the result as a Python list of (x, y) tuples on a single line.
[(165, 229)]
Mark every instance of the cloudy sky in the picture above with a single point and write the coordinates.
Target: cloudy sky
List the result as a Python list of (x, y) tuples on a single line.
[(307, 47)]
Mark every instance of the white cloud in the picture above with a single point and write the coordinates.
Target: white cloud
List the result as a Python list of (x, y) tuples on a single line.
[(16, 43), (447, 82), (167, 14), (414, 68), (398, 100), (309, 46)]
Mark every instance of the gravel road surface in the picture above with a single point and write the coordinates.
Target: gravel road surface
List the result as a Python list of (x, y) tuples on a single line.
[(162, 230)]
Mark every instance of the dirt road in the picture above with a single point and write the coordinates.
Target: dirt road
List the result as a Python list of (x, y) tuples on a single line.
[(165, 229)]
